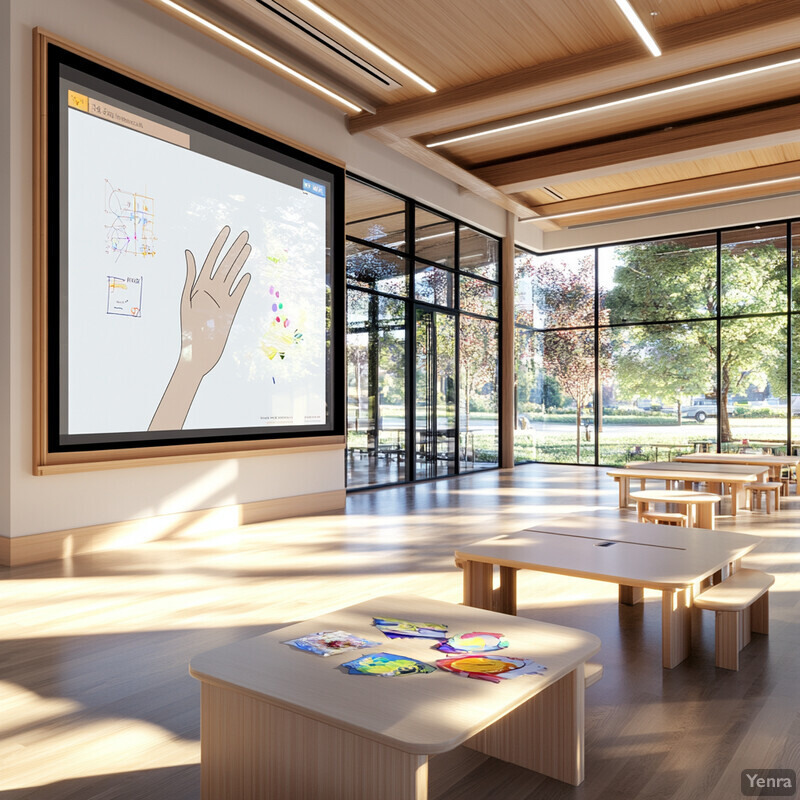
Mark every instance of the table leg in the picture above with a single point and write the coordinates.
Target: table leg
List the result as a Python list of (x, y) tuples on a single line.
[(505, 597), (630, 595), (676, 626), (478, 591), (545, 734), (624, 489), (251, 748), (704, 515), (734, 498), (641, 507)]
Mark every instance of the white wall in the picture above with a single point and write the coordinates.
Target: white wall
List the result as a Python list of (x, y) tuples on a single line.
[(139, 36)]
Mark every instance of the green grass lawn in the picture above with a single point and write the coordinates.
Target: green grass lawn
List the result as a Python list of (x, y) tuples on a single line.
[(618, 446)]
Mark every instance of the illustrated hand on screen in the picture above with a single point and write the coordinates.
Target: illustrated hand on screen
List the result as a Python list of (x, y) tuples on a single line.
[(209, 303)]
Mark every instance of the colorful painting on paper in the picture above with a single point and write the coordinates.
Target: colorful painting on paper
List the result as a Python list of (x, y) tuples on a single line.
[(387, 665), (490, 668), (330, 643), (406, 629), (474, 642)]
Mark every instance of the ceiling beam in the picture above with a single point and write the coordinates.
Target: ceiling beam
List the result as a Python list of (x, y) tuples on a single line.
[(724, 38), (721, 188), (602, 104), (433, 161), (681, 142)]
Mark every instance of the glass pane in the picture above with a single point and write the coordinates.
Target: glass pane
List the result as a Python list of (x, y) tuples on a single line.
[(796, 266), (435, 422), (434, 285), (435, 237), (661, 280), (479, 253), (375, 269), (375, 389), (479, 360), (561, 416), (360, 403), (754, 377), (795, 405), (754, 270), (478, 296), (659, 397), (554, 291), (526, 410), (374, 216)]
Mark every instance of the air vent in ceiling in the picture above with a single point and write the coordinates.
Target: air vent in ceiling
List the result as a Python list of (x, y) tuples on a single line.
[(326, 42)]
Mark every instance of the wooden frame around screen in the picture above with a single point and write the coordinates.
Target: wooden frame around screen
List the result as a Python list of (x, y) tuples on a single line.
[(46, 461)]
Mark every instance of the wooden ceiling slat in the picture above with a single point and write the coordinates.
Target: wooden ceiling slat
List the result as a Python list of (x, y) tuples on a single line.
[(732, 35)]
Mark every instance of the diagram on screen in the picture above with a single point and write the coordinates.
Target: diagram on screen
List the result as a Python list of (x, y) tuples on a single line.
[(124, 296), (130, 223)]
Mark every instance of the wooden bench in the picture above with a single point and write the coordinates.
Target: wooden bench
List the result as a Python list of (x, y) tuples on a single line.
[(741, 603), (753, 493), (592, 672), (665, 518)]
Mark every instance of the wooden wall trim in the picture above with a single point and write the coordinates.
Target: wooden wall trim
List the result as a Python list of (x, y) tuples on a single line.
[(55, 545), (61, 463)]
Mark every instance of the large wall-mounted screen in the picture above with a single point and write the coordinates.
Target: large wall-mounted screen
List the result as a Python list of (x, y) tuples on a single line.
[(192, 272)]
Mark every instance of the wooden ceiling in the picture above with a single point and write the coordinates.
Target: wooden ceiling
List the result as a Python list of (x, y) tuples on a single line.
[(544, 66)]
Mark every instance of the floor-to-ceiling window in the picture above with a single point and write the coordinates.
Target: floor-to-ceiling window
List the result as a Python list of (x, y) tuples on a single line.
[(423, 341), (645, 350)]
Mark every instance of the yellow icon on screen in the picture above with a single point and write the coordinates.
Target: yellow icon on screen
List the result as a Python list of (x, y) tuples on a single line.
[(79, 101)]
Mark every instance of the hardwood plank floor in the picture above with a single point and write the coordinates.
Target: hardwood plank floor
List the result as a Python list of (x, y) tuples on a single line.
[(97, 702)]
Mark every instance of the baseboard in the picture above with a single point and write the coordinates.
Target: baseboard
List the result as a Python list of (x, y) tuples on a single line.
[(55, 545)]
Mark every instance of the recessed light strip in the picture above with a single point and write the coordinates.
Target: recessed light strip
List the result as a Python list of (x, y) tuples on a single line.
[(260, 54), (573, 112), (627, 9), (365, 43), (685, 196)]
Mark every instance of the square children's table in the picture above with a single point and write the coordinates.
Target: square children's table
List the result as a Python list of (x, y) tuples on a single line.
[(635, 555), (278, 722)]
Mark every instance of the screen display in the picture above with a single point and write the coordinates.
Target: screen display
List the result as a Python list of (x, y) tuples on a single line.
[(195, 273)]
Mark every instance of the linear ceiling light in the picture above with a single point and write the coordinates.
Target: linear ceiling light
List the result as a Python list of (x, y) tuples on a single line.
[(612, 103), (627, 9), (365, 43), (260, 54), (667, 199)]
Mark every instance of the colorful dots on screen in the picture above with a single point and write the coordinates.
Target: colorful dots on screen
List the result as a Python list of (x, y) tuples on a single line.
[(272, 290), (274, 306), (286, 323)]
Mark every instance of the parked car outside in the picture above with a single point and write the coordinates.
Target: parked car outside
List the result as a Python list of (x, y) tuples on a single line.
[(701, 410)]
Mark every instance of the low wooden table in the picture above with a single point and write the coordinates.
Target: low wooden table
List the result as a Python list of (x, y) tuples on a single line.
[(699, 505), (278, 722), (719, 477), (634, 555), (773, 463)]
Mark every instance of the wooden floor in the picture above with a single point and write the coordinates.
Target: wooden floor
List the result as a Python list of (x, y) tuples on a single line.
[(96, 700)]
